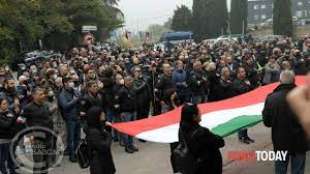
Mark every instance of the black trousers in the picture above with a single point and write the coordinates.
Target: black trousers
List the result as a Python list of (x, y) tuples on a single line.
[(143, 112), (156, 107), (172, 160), (43, 154)]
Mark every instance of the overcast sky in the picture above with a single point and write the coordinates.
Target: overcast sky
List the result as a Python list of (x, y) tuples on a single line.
[(139, 14)]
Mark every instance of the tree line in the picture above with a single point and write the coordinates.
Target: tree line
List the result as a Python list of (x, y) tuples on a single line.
[(57, 23), (210, 18)]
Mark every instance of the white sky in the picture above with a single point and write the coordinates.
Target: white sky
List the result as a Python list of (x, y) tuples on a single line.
[(139, 14)]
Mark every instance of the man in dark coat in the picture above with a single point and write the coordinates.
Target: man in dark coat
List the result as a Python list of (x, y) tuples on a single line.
[(99, 141), (90, 99), (107, 93), (143, 94), (164, 87), (287, 133), (127, 107), (198, 83), (37, 114)]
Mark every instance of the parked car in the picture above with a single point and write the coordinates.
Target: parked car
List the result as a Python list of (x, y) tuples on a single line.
[(27, 58)]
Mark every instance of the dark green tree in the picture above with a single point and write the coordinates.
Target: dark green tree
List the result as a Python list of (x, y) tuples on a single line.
[(56, 22), (218, 18), (282, 18), (210, 18), (238, 16), (198, 22), (182, 18)]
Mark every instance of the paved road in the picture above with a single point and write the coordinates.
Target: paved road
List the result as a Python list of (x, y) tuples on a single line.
[(154, 158)]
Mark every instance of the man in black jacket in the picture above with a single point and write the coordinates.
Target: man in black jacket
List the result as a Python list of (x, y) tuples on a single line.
[(127, 110), (164, 87), (107, 93), (143, 94), (287, 133), (198, 83), (37, 114), (225, 86), (90, 99), (99, 142)]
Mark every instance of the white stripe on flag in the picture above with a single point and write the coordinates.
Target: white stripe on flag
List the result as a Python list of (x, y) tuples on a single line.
[(169, 134)]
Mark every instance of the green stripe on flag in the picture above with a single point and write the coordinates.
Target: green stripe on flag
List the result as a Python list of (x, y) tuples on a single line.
[(234, 125)]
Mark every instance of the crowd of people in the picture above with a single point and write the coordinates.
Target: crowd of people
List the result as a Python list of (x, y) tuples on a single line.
[(125, 85)]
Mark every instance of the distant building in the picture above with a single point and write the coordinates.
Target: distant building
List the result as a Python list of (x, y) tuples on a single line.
[(260, 11)]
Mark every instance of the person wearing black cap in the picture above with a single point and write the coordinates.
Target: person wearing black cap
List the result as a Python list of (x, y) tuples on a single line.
[(99, 141)]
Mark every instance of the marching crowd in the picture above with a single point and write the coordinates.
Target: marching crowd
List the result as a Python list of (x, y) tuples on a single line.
[(85, 87)]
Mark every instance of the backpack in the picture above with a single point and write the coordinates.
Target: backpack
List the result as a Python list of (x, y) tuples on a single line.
[(184, 160), (82, 154)]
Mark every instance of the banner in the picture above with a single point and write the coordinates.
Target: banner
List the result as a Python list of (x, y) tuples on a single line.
[(222, 118)]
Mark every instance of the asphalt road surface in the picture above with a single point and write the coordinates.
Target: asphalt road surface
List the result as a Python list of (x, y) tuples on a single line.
[(154, 158)]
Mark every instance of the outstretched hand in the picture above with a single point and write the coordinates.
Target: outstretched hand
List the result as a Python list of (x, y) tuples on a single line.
[(299, 100), (108, 124)]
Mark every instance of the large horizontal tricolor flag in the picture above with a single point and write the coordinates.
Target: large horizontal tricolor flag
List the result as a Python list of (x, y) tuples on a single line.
[(222, 118)]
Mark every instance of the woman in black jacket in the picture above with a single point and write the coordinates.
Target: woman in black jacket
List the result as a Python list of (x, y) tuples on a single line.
[(203, 144), (99, 141), (7, 132)]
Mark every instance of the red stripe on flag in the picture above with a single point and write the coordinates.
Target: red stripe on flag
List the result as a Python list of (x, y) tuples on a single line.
[(254, 97)]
